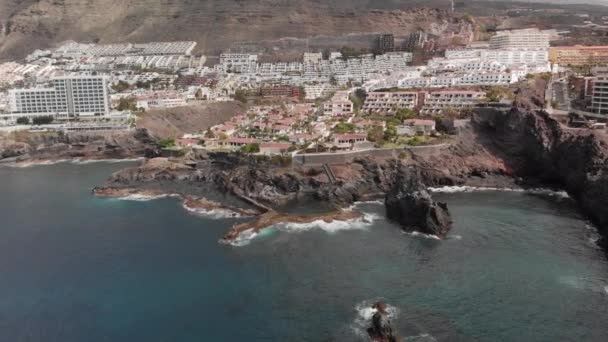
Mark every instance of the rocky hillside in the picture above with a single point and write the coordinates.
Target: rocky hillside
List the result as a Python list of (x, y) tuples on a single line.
[(214, 24), (174, 122)]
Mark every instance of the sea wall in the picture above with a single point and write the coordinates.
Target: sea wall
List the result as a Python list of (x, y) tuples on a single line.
[(314, 159)]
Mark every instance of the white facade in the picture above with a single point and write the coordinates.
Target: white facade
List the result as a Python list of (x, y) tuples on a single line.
[(338, 105), (599, 99), (316, 91), (520, 39), (389, 102), (438, 101), (84, 96), (516, 56), (238, 62), (312, 57)]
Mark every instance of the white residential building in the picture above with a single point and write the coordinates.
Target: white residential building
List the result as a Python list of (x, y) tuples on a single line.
[(520, 39), (238, 62), (516, 56), (339, 105), (389, 102), (599, 99), (80, 96), (316, 91), (438, 101), (312, 57)]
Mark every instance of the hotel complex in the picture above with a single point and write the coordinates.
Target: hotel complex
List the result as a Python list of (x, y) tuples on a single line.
[(520, 39), (599, 100), (579, 55), (67, 97)]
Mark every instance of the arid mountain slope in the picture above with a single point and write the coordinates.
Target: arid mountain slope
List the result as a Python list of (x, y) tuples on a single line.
[(214, 24)]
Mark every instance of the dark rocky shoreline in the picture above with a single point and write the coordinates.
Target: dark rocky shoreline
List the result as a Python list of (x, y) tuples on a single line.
[(519, 147)]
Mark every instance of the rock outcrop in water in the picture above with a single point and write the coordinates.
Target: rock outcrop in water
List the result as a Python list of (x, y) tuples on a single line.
[(409, 204), (381, 329), (271, 218)]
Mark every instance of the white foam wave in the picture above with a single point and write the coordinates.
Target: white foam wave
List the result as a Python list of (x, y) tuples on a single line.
[(465, 188), (455, 237), (358, 204), (427, 236), (335, 226), (244, 238), (421, 337), (584, 283), (111, 161), (144, 198), (365, 312), (27, 164), (213, 213)]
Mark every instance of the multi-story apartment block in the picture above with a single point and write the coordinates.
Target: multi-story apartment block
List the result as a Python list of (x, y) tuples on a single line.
[(599, 99), (312, 57), (81, 96), (516, 56), (315, 91), (438, 101), (579, 55), (389, 102), (238, 62), (386, 42), (339, 105), (520, 39)]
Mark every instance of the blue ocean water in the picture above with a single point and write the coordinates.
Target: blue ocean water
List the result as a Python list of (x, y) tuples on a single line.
[(78, 268)]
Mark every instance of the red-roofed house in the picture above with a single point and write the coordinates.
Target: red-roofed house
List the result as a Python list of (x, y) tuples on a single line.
[(303, 138), (418, 126), (238, 142), (348, 140)]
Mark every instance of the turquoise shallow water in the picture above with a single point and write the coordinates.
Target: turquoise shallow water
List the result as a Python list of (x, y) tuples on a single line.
[(78, 268)]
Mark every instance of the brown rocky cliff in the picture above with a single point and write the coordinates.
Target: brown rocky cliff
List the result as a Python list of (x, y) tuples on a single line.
[(539, 149)]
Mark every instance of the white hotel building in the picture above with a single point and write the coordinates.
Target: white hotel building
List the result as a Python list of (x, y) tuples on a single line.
[(81, 96), (599, 99), (520, 39)]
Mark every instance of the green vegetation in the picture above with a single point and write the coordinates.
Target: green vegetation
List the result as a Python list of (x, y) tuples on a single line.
[(404, 114), (42, 120), (167, 143), (349, 52), (128, 103), (416, 140), (23, 121), (497, 93), (282, 138), (147, 84), (375, 134), (240, 95), (120, 86), (251, 148), (390, 134), (301, 94), (358, 98), (344, 127), (281, 160)]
